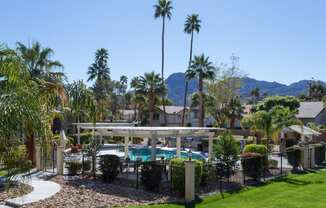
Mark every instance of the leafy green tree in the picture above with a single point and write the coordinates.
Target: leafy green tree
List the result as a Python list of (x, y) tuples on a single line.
[(226, 153), (234, 110), (269, 103), (191, 25), (150, 87), (284, 117), (255, 93), (202, 69), (163, 10)]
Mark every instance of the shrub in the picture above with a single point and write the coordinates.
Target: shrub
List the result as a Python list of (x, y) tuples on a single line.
[(109, 165), (151, 175), (294, 156), (319, 154), (260, 149), (208, 172), (87, 165), (84, 138), (178, 174), (272, 164), (252, 164), (74, 166)]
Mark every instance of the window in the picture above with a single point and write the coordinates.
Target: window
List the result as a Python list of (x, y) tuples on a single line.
[(156, 116)]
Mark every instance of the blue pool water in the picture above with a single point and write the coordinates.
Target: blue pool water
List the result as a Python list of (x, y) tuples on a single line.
[(145, 154)]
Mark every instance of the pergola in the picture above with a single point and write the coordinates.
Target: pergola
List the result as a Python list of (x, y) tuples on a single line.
[(153, 133)]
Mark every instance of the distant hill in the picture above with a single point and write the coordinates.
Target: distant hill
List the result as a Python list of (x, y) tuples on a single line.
[(176, 82)]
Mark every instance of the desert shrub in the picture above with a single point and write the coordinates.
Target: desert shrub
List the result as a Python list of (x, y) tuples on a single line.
[(319, 154), (272, 164), (73, 166), (294, 156), (178, 174), (252, 164), (151, 175), (109, 165)]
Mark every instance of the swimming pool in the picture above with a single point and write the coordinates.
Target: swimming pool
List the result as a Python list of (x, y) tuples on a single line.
[(145, 154)]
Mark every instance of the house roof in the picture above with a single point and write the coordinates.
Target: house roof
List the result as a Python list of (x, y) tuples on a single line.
[(310, 109), (171, 109)]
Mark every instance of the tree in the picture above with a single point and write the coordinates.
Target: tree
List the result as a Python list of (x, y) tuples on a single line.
[(191, 25), (163, 10), (234, 110), (100, 72), (150, 87), (284, 117), (202, 69), (269, 103), (255, 93), (223, 91), (37, 59), (226, 153)]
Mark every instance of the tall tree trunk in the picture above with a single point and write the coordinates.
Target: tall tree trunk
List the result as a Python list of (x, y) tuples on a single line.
[(186, 85), (162, 70), (201, 102)]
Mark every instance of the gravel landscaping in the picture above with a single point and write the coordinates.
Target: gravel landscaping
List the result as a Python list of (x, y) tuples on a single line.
[(94, 193), (17, 190)]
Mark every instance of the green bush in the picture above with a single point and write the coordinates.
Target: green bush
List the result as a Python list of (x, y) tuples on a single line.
[(272, 164), (178, 174), (151, 175), (73, 166), (294, 156), (85, 138), (209, 172), (319, 154), (109, 165), (260, 149), (252, 164)]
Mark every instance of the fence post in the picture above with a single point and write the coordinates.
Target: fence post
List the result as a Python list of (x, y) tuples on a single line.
[(60, 150)]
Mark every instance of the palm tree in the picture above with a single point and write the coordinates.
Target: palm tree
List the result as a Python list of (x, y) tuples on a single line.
[(163, 10), (150, 86), (202, 69), (37, 59), (234, 110), (192, 25), (255, 93)]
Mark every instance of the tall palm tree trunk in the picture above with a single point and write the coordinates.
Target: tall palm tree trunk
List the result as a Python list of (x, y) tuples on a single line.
[(151, 110), (201, 102), (186, 84), (162, 70)]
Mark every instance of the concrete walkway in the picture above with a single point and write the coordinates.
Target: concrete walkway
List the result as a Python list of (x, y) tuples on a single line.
[(42, 189)]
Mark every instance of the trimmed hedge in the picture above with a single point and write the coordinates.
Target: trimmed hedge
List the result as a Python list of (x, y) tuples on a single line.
[(252, 164), (319, 154), (178, 174), (109, 165), (151, 175), (260, 149), (294, 156)]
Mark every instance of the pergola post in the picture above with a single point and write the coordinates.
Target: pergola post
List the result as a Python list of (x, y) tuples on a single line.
[(210, 146), (78, 134), (153, 146), (126, 147), (60, 150), (178, 147)]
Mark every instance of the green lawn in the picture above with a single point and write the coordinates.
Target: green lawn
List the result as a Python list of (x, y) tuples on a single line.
[(295, 191)]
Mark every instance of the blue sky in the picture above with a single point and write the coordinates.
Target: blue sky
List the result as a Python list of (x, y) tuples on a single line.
[(276, 40)]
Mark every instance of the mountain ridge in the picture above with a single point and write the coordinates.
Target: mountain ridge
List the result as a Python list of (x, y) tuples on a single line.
[(176, 83)]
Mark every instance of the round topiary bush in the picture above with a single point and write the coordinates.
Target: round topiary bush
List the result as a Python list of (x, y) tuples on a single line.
[(178, 174), (109, 165), (294, 156), (252, 164), (151, 175)]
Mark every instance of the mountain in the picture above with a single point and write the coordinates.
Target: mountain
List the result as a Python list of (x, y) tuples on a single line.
[(176, 82)]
